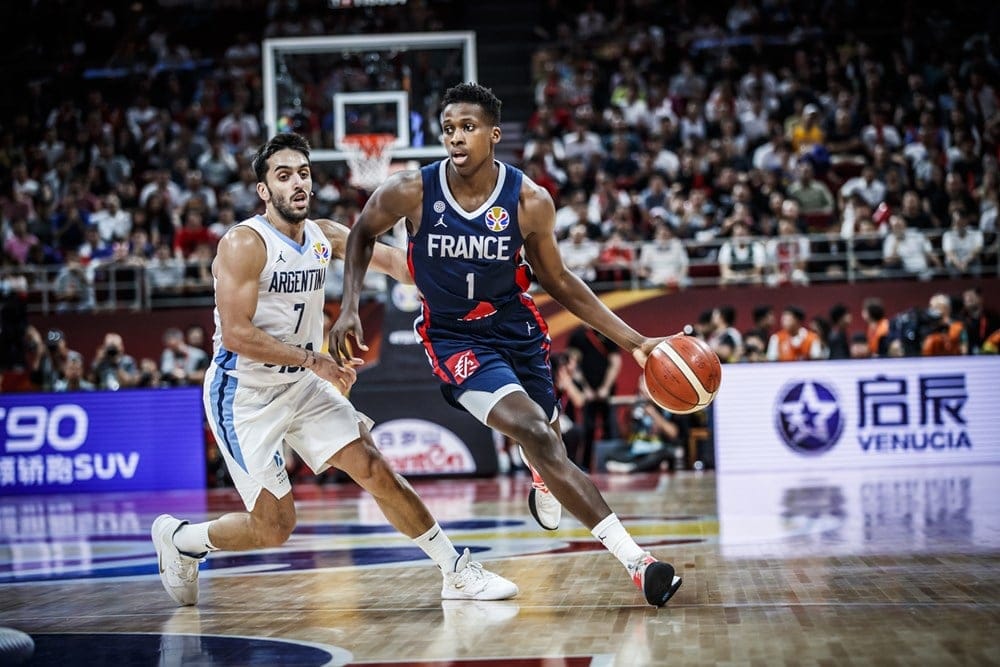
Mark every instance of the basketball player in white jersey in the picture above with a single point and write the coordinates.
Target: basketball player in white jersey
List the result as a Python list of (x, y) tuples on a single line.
[(269, 383)]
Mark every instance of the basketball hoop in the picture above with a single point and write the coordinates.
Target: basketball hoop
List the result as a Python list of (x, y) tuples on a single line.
[(368, 157)]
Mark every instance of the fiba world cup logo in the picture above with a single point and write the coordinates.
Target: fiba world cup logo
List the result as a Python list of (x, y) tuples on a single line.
[(497, 219), (321, 251)]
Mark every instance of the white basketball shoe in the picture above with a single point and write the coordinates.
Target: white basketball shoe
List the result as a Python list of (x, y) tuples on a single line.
[(543, 506), (178, 572), (470, 581)]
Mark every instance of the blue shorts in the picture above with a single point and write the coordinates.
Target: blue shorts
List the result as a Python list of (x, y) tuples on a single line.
[(510, 347)]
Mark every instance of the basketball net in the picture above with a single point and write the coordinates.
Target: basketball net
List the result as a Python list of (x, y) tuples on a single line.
[(368, 157)]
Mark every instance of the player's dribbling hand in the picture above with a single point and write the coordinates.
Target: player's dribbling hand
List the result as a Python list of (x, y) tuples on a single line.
[(347, 323), (641, 353)]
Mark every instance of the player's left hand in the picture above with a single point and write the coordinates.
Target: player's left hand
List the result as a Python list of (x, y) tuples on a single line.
[(343, 376)]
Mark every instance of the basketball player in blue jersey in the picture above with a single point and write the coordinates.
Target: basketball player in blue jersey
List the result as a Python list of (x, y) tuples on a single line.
[(268, 384), (472, 222)]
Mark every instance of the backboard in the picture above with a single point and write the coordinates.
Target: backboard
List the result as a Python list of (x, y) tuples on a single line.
[(329, 87)]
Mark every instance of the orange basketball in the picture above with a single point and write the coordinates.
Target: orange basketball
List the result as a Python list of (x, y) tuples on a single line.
[(683, 374)]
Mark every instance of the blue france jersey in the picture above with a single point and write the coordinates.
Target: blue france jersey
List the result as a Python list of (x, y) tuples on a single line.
[(468, 264)]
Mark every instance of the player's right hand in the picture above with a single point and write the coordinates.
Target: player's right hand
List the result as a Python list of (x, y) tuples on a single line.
[(348, 323)]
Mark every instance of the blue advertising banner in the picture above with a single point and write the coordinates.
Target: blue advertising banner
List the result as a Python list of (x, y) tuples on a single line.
[(833, 415), (135, 440)]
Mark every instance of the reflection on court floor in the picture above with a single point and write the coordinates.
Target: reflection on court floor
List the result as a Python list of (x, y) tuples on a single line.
[(774, 566)]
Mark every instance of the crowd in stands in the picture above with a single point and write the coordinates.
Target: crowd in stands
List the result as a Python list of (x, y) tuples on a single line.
[(769, 143), (743, 142)]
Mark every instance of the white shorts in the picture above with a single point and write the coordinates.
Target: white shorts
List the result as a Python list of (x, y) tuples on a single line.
[(250, 425)]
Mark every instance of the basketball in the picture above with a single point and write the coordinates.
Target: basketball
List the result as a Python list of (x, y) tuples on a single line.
[(683, 374)]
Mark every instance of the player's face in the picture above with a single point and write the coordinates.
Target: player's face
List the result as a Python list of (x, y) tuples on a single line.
[(288, 185), (467, 134)]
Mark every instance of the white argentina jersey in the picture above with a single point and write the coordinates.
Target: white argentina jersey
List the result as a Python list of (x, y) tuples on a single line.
[(289, 305)]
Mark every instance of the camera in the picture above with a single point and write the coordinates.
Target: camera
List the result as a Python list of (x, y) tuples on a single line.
[(112, 351)]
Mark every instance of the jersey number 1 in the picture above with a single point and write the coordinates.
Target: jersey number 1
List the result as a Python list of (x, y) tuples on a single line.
[(471, 279)]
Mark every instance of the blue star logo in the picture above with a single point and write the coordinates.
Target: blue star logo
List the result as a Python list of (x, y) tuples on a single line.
[(808, 417)]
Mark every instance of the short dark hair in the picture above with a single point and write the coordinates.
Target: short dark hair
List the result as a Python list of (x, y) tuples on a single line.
[(473, 93), (837, 312), (762, 311), (874, 310), (727, 313), (278, 142), (796, 312)]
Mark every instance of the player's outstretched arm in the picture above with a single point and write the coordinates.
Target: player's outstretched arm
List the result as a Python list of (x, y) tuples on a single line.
[(400, 196), (385, 259), (537, 220)]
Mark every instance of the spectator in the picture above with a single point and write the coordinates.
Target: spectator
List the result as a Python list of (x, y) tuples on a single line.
[(838, 340), (217, 165), (873, 313), (871, 190), (859, 347), (193, 234), (161, 185), (569, 393), (73, 379), (238, 129), (723, 319), (741, 259), (194, 336), (20, 240), (94, 249), (580, 253), (763, 323), (947, 335), (244, 194), (663, 262), (113, 369), (962, 247), (226, 221), (807, 133), (600, 363), (866, 251), (793, 342), (572, 214), (814, 198), (180, 363), (908, 251), (978, 321), (195, 188), (788, 256), (113, 222), (74, 284), (914, 214), (165, 272), (617, 256)]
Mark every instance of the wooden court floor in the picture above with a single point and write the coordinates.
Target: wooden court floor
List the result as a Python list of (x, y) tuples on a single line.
[(891, 567)]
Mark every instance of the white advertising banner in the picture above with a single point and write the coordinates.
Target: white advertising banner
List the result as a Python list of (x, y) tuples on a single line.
[(836, 415)]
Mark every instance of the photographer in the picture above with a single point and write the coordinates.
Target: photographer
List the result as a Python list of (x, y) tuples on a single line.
[(181, 364), (654, 439), (113, 369)]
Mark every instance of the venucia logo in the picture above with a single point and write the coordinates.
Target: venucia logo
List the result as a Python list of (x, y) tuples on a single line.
[(808, 417)]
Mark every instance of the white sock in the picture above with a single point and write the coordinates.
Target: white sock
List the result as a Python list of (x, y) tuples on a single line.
[(192, 539), (438, 548), (616, 539)]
